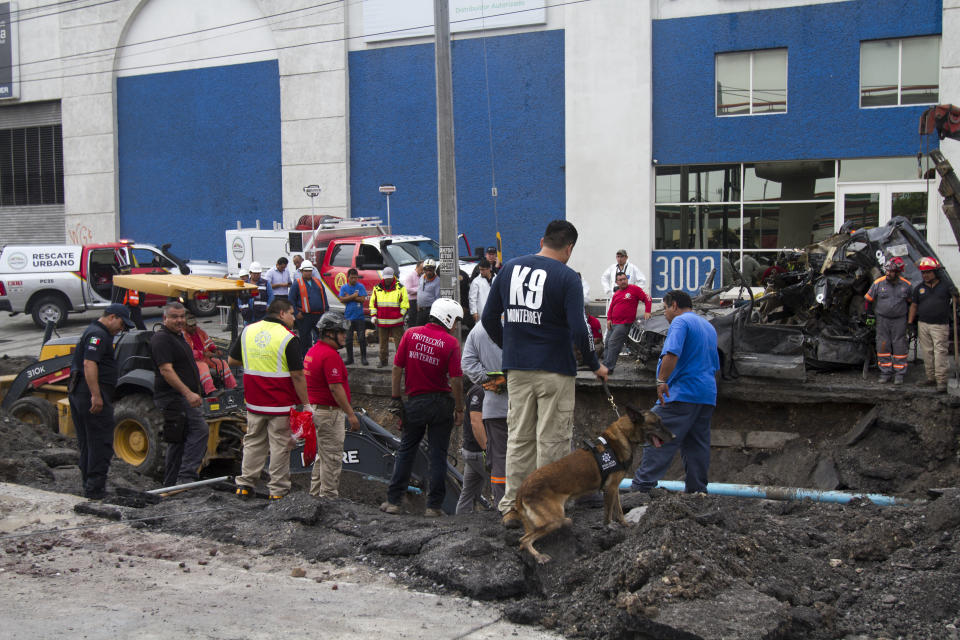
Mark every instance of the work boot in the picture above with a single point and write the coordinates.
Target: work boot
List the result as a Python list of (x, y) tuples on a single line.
[(363, 361), (274, 496), (349, 359), (392, 509), (382, 364), (927, 383), (942, 388), (432, 513), (511, 520), (884, 379), (898, 380), (244, 493)]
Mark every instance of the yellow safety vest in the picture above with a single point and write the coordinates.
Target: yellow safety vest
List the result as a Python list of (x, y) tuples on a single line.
[(267, 386)]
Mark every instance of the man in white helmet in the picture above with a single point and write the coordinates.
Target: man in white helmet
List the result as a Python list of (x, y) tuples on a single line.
[(253, 308), (430, 359), (428, 290), (309, 300)]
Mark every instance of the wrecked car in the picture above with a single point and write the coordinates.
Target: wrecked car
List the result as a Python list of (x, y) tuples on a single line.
[(811, 314)]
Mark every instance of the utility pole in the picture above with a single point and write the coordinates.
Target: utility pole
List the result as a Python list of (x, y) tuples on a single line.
[(448, 267)]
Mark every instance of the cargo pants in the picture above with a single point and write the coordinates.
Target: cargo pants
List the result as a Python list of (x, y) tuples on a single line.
[(325, 479), (892, 346), (539, 425)]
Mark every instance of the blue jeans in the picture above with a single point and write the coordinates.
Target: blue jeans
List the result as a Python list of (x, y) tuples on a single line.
[(690, 424), (431, 414)]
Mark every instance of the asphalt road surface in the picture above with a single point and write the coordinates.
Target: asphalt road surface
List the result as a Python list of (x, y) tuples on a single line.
[(95, 579)]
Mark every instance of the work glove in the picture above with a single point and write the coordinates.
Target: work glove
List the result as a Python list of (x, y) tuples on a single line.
[(912, 331), (496, 383), (870, 321), (397, 409)]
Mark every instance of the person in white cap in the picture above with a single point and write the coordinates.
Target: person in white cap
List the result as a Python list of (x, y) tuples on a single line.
[(388, 304), (254, 307), (309, 300)]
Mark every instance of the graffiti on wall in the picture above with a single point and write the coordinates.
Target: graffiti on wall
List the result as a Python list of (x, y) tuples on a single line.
[(80, 234)]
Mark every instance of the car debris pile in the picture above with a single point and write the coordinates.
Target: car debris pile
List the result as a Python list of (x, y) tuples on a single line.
[(810, 316)]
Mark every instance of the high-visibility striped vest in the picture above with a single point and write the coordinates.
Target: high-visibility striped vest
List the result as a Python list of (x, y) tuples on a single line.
[(387, 306), (301, 286), (132, 298), (267, 387)]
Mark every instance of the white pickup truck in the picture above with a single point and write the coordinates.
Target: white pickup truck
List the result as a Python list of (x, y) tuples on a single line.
[(50, 281)]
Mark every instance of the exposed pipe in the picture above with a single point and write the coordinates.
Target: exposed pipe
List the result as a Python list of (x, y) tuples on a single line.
[(782, 493), (189, 485)]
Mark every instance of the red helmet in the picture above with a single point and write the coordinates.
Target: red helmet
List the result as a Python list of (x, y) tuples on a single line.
[(895, 264), (928, 264)]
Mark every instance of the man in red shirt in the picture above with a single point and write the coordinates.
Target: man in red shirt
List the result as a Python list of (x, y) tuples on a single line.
[(430, 356), (329, 394), (621, 315)]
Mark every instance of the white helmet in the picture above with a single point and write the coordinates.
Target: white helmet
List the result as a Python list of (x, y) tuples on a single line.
[(256, 267), (306, 264), (447, 311), (430, 262)]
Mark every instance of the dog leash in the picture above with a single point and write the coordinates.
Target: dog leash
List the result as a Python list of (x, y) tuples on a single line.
[(613, 404)]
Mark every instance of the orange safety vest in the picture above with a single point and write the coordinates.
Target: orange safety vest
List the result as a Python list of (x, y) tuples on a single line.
[(132, 298), (305, 298)]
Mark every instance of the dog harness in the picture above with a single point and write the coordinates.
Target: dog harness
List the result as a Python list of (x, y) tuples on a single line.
[(604, 456)]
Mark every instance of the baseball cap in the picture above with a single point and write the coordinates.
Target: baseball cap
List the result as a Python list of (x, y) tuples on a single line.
[(122, 312), (491, 249), (388, 272)]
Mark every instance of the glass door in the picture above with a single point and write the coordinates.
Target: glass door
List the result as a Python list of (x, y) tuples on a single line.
[(872, 204)]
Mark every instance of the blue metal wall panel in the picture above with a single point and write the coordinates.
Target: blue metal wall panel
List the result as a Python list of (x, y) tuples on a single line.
[(393, 136), (198, 150), (823, 118)]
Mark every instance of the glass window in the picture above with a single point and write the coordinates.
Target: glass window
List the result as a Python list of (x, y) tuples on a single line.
[(751, 82), (862, 209), (342, 255), (877, 169), (148, 258), (404, 253), (697, 227), (31, 166), (900, 72), (769, 226), (793, 180), (913, 207), (698, 183)]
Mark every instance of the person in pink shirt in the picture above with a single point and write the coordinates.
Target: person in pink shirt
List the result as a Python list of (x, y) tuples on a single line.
[(428, 360), (621, 315)]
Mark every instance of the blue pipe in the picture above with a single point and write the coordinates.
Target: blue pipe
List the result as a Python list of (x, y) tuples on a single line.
[(781, 493)]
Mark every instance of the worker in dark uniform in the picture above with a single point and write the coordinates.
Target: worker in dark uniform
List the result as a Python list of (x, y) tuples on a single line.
[(93, 377), (176, 392), (889, 298)]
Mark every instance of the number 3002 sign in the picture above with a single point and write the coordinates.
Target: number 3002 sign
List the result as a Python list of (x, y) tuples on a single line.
[(684, 270)]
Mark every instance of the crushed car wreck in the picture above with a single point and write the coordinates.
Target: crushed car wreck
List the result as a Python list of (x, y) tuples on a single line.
[(811, 313)]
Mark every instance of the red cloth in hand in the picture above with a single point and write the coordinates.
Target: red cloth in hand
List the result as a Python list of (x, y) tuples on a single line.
[(301, 424)]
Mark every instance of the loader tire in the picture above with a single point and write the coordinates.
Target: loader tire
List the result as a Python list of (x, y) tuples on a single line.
[(206, 307), (35, 410), (136, 436)]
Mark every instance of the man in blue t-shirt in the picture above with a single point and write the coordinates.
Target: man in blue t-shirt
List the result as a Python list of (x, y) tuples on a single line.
[(353, 295), (687, 396), (541, 300)]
